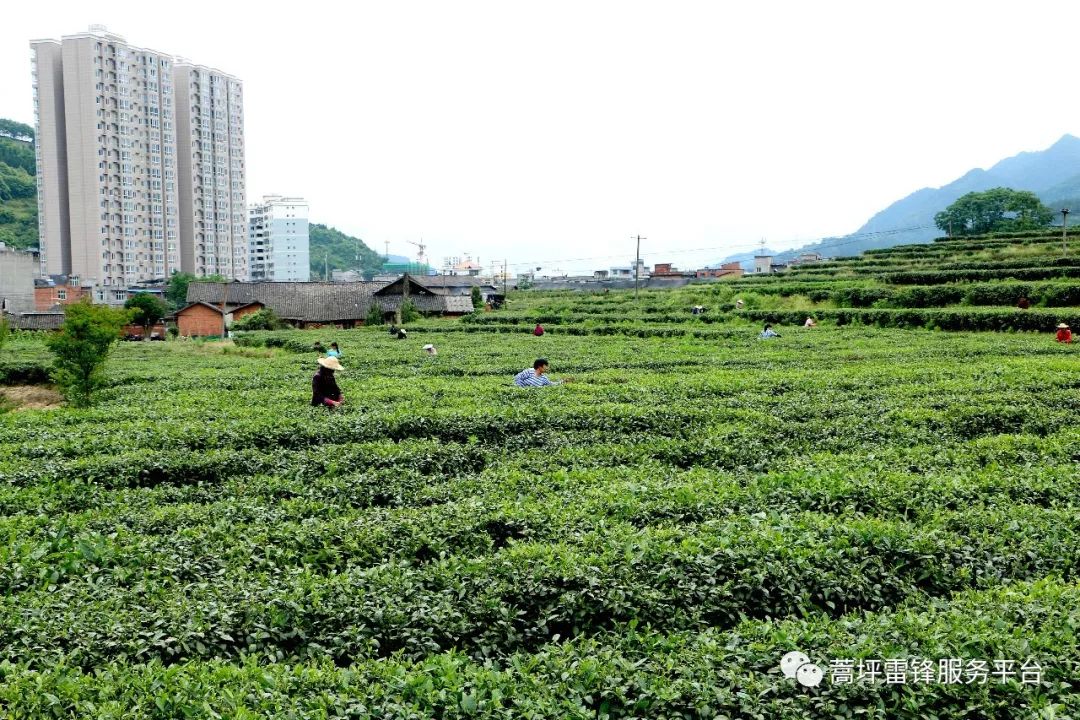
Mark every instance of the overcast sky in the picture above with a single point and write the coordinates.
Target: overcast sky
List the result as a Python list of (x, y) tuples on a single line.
[(542, 132)]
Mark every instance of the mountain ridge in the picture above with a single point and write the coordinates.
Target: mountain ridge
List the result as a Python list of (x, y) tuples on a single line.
[(1053, 174)]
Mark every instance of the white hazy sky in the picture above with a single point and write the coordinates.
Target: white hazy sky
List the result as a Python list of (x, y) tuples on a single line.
[(547, 131)]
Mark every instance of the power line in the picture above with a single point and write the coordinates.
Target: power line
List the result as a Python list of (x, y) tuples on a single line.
[(723, 248)]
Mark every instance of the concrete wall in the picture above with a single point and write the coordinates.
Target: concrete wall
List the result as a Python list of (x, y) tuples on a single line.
[(54, 235), (17, 272), (290, 249)]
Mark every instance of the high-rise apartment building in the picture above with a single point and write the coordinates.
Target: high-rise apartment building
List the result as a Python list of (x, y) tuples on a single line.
[(210, 142), (278, 241), (140, 164)]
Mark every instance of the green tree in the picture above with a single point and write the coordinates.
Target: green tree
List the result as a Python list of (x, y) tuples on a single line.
[(17, 155), (4, 331), (16, 130), (81, 347), (146, 309), (16, 183), (177, 287), (997, 210), (477, 298)]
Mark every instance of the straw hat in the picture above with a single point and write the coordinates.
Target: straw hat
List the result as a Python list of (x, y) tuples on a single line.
[(330, 363), (1062, 326), (430, 349)]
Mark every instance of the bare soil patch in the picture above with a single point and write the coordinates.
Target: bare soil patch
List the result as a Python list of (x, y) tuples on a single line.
[(30, 397)]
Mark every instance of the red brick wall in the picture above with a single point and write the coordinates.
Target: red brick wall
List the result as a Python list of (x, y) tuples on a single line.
[(46, 297), (198, 320), (244, 311), (138, 329)]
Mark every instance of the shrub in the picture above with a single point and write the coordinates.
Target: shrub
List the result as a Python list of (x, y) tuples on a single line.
[(409, 313), (264, 319), (81, 347), (374, 316)]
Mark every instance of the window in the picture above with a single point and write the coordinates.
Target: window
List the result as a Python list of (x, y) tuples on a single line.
[(61, 294)]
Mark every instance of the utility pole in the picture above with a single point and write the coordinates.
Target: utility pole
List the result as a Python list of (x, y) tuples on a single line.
[(1064, 225), (504, 279), (326, 266), (404, 298), (224, 303), (637, 263)]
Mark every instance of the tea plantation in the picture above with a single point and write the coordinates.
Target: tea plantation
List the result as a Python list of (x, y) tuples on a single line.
[(647, 542)]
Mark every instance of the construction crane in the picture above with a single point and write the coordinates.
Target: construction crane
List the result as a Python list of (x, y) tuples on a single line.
[(420, 248)]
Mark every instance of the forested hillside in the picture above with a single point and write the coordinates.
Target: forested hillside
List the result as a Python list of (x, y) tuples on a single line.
[(18, 204)]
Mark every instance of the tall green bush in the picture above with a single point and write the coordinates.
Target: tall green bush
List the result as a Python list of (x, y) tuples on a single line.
[(81, 348), (409, 313), (264, 319)]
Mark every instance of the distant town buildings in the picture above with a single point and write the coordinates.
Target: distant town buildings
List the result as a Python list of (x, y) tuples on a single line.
[(459, 266), (278, 242), (140, 161), (805, 258), (729, 270)]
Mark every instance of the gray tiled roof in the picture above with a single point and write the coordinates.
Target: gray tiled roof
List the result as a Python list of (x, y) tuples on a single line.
[(436, 282), (307, 302), (38, 321), (325, 302), (430, 303)]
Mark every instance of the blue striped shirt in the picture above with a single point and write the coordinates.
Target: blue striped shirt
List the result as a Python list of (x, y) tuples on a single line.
[(529, 378)]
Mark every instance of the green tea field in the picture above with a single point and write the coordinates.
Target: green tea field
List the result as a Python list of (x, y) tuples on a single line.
[(648, 541)]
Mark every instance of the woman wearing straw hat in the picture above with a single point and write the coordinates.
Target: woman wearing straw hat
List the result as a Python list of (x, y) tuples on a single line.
[(1064, 334), (324, 388)]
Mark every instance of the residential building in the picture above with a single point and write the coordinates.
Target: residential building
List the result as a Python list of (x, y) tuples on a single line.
[(628, 272), (278, 244), (123, 157), (805, 258), (457, 266), (348, 276), (661, 270), (57, 290), (729, 270), (210, 145), (308, 304)]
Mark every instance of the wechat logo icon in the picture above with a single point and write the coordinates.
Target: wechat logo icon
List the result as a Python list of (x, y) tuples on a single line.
[(797, 665)]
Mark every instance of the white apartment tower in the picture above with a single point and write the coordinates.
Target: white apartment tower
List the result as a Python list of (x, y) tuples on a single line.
[(278, 244), (132, 184)]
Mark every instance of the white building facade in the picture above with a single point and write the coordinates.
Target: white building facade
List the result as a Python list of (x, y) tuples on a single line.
[(278, 240)]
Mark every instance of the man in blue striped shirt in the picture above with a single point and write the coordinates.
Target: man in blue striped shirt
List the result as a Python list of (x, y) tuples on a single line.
[(534, 376)]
